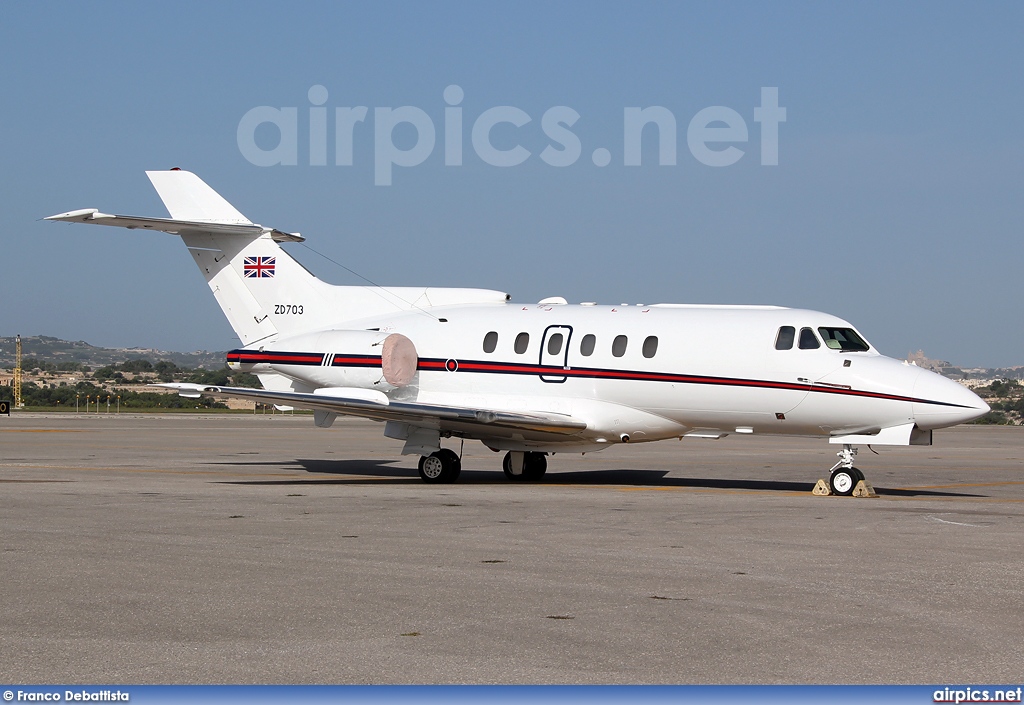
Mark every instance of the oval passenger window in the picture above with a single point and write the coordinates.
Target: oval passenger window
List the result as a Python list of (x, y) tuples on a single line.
[(555, 344), (522, 342), (651, 346), (490, 341), (619, 346), (587, 345)]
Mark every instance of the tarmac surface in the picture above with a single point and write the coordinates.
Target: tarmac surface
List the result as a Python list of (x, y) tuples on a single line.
[(260, 549)]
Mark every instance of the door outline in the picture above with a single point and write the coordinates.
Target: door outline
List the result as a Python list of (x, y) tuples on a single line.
[(561, 359)]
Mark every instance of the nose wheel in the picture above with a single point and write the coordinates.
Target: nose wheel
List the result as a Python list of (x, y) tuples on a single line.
[(844, 477), (843, 480)]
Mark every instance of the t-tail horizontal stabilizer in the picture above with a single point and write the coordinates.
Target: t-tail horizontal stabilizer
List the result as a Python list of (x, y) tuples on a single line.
[(257, 284)]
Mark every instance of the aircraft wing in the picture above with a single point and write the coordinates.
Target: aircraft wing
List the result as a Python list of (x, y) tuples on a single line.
[(375, 405)]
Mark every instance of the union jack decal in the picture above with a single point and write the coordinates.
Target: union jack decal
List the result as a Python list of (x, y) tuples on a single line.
[(256, 267)]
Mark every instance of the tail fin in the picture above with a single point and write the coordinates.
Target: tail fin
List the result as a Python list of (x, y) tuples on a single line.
[(260, 288), (188, 197)]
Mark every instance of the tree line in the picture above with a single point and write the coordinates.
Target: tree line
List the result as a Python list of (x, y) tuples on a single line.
[(109, 381)]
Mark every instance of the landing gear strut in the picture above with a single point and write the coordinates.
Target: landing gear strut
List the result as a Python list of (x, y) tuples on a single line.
[(844, 477), (441, 466), (524, 466)]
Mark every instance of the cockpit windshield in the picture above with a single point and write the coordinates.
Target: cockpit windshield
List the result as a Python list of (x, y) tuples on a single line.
[(843, 339)]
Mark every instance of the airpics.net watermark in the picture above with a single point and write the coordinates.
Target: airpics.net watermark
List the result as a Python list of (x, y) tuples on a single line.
[(711, 136)]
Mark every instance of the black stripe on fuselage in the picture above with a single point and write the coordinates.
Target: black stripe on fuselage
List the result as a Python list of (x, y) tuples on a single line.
[(272, 357), (519, 368)]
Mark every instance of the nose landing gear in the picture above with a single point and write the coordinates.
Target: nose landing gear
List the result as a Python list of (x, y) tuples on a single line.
[(845, 478)]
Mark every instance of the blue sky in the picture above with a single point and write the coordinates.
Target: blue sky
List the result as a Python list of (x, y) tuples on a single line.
[(895, 204)]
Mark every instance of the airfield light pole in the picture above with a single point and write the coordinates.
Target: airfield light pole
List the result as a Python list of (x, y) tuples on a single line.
[(119, 403), (108, 403), (17, 373), (76, 403)]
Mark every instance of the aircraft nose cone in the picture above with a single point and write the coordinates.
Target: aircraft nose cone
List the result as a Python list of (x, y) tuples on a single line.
[(940, 402)]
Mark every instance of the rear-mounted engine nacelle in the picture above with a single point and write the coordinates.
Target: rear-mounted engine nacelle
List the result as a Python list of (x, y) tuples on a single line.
[(348, 358)]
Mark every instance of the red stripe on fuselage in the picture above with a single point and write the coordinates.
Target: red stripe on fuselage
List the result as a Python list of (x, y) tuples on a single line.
[(439, 365)]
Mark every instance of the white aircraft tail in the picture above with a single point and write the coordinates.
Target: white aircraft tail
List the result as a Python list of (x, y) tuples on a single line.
[(261, 289), (188, 197)]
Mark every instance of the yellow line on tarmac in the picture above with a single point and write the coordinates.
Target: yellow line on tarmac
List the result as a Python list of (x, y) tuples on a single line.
[(713, 490), (41, 430), (141, 470), (964, 484), (790, 493), (163, 471), (670, 488), (1011, 500)]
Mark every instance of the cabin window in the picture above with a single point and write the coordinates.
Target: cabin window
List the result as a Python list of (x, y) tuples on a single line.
[(650, 346), (844, 339), (587, 345), (490, 341), (555, 343), (784, 340), (619, 346), (522, 342), (808, 341)]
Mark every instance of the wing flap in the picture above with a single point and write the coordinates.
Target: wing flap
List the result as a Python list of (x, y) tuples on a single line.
[(382, 409)]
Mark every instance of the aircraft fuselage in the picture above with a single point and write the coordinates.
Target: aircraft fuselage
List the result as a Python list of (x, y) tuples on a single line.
[(633, 373)]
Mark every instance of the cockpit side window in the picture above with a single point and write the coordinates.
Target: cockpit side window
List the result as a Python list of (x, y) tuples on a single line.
[(784, 340), (843, 339), (808, 341)]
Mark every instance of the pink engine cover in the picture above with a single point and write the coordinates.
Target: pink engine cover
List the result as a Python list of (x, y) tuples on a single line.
[(399, 360)]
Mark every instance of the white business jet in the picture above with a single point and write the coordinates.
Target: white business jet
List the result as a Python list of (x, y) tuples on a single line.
[(537, 379)]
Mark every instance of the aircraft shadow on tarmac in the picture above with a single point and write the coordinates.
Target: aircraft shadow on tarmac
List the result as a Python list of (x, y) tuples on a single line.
[(358, 470)]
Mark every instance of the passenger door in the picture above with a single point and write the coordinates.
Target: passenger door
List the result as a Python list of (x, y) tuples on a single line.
[(554, 351)]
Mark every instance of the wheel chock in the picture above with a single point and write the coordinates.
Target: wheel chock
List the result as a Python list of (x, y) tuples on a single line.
[(821, 489), (864, 489)]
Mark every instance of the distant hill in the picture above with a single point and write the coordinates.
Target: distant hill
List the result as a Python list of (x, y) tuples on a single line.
[(55, 350), (952, 371)]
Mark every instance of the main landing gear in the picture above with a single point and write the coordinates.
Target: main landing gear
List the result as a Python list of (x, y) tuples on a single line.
[(528, 467), (844, 477), (444, 466)]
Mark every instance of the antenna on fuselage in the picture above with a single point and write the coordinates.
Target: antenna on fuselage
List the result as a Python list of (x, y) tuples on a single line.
[(370, 282)]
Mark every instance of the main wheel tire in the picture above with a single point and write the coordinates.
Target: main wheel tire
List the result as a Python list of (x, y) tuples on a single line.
[(441, 466), (506, 466), (843, 481), (534, 467), (452, 459)]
